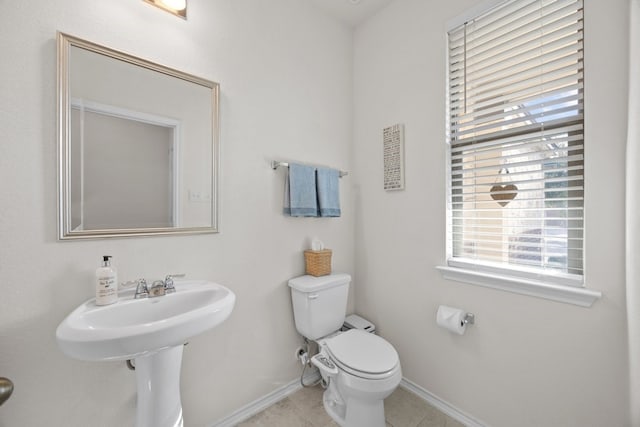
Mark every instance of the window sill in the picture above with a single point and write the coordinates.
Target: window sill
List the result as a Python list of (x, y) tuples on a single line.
[(561, 293)]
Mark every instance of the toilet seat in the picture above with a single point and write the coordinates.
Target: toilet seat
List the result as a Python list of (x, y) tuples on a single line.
[(363, 354)]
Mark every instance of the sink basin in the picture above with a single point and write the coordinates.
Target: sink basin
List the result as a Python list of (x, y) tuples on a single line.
[(131, 328), (151, 331)]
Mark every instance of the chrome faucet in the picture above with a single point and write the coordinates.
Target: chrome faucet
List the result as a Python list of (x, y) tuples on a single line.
[(158, 288)]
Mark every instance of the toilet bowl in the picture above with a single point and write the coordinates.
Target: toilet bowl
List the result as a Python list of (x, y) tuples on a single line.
[(360, 370)]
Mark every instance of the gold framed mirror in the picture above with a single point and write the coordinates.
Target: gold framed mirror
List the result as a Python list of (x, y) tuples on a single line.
[(137, 145)]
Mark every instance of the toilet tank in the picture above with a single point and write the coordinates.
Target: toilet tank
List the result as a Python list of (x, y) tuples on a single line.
[(319, 303)]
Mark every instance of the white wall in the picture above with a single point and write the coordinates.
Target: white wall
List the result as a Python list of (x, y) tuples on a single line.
[(286, 82), (285, 74), (527, 361)]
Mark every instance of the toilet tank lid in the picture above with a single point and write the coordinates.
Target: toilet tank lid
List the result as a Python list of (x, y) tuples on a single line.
[(314, 284)]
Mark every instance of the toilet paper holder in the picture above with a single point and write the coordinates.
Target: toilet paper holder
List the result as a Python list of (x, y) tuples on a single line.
[(469, 319), (454, 319)]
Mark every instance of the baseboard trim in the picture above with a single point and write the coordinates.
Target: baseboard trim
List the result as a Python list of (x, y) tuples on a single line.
[(262, 403), (440, 404)]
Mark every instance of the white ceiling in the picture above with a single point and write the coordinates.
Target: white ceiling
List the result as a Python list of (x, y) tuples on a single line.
[(353, 12)]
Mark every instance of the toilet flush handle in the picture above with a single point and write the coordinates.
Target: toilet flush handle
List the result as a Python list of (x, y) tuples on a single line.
[(313, 296)]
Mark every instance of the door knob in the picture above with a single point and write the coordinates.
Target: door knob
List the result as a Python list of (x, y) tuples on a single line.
[(6, 388)]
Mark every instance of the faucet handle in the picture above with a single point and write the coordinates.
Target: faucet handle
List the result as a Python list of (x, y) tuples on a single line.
[(142, 291), (168, 282)]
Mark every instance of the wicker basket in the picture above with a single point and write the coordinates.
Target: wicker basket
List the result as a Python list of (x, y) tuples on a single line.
[(318, 262)]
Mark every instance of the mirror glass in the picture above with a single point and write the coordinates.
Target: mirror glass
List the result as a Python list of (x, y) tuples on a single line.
[(138, 145)]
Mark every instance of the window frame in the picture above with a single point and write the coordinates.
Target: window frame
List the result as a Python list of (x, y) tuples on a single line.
[(537, 282)]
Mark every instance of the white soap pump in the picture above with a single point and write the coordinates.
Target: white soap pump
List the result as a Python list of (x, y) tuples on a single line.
[(106, 283)]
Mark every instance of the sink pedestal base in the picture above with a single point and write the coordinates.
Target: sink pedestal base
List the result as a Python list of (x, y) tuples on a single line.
[(158, 383)]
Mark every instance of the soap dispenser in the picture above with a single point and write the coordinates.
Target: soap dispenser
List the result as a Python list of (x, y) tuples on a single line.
[(106, 283)]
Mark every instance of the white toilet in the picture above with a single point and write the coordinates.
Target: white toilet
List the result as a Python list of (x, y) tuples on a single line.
[(361, 368)]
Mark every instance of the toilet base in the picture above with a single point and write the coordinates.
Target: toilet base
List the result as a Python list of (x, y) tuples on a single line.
[(335, 410), (358, 413)]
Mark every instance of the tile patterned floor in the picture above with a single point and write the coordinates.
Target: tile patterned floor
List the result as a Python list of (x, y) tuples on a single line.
[(304, 409)]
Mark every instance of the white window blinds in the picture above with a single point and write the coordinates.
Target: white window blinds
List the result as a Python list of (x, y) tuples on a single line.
[(515, 135)]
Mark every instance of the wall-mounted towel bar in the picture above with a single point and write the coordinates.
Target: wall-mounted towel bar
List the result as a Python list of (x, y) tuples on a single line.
[(276, 165)]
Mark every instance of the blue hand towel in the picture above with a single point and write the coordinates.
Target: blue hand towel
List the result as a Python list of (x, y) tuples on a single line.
[(300, 191), (328, 186)]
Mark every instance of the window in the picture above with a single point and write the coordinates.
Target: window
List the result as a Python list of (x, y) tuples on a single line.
[(516, 146)]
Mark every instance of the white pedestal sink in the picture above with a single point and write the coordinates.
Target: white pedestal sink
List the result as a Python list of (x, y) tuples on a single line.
[(152, 331)]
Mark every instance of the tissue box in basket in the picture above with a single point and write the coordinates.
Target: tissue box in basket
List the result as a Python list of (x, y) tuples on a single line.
[(318, 262)]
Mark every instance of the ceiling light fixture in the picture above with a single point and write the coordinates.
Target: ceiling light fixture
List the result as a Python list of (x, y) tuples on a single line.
[(177, 7)]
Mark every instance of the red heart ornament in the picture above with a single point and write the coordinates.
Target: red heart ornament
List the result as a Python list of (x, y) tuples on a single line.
[(503, 194)]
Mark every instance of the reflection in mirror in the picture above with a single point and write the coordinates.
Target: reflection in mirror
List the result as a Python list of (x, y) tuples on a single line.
[(137, 143)]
